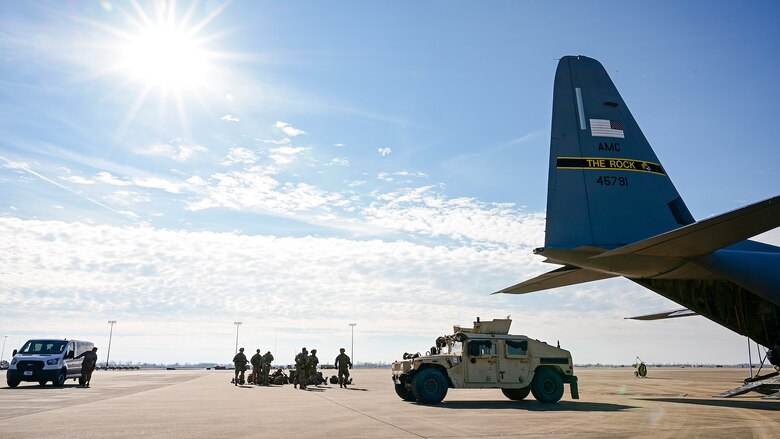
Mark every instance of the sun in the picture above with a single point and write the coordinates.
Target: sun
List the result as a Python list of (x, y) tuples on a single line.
[(166, 53), (166, 57)]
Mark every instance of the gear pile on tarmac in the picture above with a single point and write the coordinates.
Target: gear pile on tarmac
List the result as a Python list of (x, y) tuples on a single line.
[(304, 374)]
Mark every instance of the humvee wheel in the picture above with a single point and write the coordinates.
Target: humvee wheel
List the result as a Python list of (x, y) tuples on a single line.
[(429, 386), (403, 392), (516, 394), (547, 386)]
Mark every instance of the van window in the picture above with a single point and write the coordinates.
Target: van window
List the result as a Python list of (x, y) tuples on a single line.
[(516, 348), (43, 347)]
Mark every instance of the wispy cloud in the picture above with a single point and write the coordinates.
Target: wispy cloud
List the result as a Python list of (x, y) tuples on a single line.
[(240, 155), (180, 152), (384, 151), (107, 178), (285, 155), (339, 162), (78, 179), (230, 118), (289, 129)]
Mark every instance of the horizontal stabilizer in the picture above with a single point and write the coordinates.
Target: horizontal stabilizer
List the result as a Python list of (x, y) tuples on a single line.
[(708, 235), (685, 312), (561, 277)]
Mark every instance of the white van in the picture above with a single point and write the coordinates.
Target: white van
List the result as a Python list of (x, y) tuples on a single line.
[(47, 360)]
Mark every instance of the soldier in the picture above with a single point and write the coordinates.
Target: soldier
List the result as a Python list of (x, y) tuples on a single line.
[(257, 367), (87, 366), (343, 363), (267, 360), (311, 366), (240, 362), (300, 368)]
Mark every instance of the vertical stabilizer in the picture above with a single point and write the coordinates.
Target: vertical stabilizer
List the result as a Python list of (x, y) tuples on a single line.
[(606, 186)]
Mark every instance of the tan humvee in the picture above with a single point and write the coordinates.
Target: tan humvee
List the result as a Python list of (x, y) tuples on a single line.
[(486, 357)]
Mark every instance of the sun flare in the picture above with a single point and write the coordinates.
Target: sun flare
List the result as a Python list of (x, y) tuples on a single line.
[(168, 58)]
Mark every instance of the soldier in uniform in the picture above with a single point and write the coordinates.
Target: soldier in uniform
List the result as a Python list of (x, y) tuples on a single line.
[(240, 362), (267, 360), (257, 367), (311, 366), (87, 366), (343, 363), (300, 368)]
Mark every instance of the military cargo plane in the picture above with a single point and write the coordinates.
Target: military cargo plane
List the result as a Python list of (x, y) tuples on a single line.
[(612, 210)]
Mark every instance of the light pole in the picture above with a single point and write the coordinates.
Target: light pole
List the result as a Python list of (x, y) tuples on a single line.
[(238, 324), (110, 334), (3, 353), (352, 351)]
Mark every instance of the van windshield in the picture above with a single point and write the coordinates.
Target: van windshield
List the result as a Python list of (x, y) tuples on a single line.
[(43, 347)]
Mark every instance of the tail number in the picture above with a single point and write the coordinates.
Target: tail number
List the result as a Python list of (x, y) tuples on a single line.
[(609, 180)]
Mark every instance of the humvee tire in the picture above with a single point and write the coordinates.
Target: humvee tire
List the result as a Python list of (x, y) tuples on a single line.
[(429, 386), (404, 393), (516, 394), (547, 386), (12, 383)]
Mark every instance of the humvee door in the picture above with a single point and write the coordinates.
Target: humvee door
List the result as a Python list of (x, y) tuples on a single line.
[(481, 361)]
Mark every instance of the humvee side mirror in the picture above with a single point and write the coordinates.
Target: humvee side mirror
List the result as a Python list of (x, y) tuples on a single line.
[(69, 354), (15, 352)]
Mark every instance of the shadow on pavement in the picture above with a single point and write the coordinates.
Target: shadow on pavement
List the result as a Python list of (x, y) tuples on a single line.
[(733, 403), (32, 386), (534, 406)]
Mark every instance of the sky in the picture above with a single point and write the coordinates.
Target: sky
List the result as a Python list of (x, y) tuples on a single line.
[(299, 166)]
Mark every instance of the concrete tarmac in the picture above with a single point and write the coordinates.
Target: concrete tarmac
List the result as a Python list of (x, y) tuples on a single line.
[(199, 403)]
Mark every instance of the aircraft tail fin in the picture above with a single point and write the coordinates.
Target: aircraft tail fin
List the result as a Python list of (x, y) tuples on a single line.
[(606, 187)]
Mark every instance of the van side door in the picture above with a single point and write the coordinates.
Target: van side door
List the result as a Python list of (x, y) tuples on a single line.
[(74, 365)]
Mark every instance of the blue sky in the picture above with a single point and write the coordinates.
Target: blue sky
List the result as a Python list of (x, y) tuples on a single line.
[(302, 165)]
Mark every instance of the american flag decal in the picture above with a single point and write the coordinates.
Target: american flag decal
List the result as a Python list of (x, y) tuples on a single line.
[(606, 128)]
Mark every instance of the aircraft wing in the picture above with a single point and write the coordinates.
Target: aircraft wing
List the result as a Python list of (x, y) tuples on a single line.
[(685, 312), (567, 275), (706, 236)]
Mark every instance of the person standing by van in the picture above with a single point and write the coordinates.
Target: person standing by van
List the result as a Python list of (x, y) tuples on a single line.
[(88, 365)]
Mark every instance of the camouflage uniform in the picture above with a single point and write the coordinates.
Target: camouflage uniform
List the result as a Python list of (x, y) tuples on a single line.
[(311, 366), (300, 368), (257, 366), (343, 363), (240, 362), (267, 360), (88, 366)]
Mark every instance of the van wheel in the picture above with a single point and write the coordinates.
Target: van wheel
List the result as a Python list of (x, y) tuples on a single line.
[(547, 386), (403, 392), (42, 382), (60, 380), (429, 386), (516, 394), (12, 383)]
